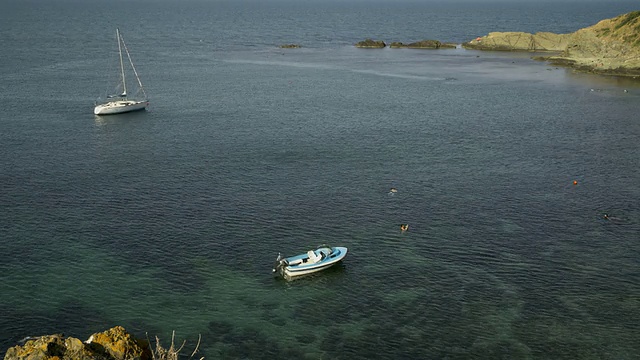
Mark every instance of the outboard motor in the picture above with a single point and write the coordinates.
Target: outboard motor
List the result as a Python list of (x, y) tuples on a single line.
[(278, 263)]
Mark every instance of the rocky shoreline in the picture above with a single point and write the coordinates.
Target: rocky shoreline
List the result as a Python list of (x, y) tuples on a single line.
[(113, 344), (610, 47)]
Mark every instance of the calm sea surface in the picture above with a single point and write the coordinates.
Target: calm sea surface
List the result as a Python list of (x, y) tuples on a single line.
[(171, 219)]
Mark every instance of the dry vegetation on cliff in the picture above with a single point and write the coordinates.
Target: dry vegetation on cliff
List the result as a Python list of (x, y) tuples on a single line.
[(623, 29), (160, 353), (612, 46)]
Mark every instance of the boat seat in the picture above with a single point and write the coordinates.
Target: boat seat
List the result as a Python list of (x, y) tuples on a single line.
[(313, 258)]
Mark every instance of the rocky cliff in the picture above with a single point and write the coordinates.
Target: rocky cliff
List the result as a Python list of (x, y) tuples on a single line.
[(520, 41), (611, 46)]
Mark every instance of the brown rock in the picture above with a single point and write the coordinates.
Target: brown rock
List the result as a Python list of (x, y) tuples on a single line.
[(369, 43), (119, 344), (424, 44), (113, 344), (519, 41), (612, 46)]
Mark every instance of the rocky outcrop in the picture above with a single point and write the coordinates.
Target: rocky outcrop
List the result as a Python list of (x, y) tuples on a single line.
[(373, 44), (611, 46), (113, 344), (520, 41), (424, 44)]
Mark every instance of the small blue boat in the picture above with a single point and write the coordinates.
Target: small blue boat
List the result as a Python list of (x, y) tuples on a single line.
[(310, 262)]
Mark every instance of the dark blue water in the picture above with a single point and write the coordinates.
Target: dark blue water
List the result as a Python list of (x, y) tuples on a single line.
[(170, 219)]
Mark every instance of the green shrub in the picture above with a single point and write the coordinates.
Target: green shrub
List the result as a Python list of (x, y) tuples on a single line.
[(628, 18)]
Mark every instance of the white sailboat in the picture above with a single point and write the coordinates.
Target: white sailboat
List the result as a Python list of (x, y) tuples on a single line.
[(121, 102)]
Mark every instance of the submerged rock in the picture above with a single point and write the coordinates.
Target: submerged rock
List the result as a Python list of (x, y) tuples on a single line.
[(290, 46)]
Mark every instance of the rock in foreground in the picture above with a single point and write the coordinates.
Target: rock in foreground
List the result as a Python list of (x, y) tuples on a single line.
[(113, 344)]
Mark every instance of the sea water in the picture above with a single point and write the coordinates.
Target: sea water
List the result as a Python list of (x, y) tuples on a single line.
[(171, 219)]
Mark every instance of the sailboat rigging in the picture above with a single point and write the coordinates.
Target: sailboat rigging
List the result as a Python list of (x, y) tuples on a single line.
[(121, 103)]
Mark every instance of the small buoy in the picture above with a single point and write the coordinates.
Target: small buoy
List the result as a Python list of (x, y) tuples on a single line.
[(575, 182), (404, 227)]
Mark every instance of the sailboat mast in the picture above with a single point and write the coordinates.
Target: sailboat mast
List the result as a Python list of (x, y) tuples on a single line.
[(124, 83)]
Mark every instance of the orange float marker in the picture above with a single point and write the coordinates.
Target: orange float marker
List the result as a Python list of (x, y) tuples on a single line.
[(575, 182)]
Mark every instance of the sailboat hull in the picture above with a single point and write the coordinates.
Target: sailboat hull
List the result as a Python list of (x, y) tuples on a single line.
[(119, 107)]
